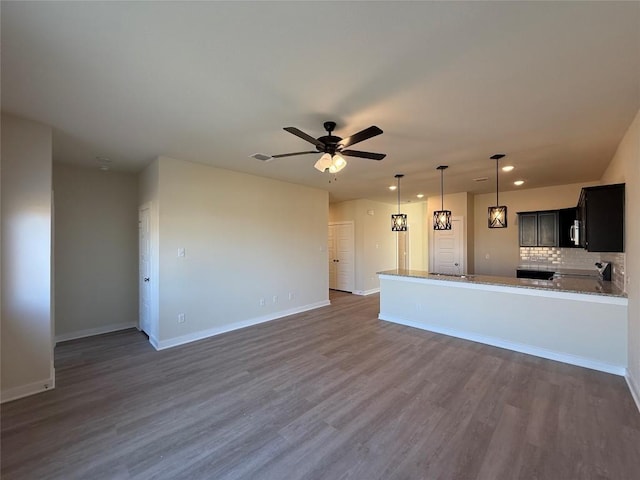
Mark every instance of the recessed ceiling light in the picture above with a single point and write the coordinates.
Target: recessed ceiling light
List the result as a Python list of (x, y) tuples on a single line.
[(518, 182), (420, 195), (392, 187), (103, 160), (507, 168)]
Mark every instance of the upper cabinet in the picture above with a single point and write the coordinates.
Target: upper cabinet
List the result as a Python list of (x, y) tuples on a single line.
[(601, 217), (538, 229)]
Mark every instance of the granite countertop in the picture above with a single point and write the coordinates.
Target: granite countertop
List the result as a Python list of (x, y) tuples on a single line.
[(590, 286)]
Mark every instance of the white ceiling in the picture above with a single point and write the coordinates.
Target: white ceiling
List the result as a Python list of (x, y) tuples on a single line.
[(554, 85)]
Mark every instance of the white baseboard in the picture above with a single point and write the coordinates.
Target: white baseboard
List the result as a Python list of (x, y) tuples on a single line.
[(154, 342), (114, 327), (192, 337), (366, 292), (29, 389), (516, 347), (634, 387)]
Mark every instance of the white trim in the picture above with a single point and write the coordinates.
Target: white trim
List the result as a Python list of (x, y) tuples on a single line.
[(352, 247), (154, 342), (513, 289), (192, 337), (634, 388), (463, 241), (366, 292), (517, 347), (114, 327), (29, 389)]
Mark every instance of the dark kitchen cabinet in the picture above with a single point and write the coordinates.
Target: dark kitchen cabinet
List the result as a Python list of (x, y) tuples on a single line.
[(528, 228), (538, 229), (601, 217), (548, 229)]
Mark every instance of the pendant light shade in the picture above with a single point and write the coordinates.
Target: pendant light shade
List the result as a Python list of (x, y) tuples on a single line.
[(497, 213), (399, 220), (442, 217)]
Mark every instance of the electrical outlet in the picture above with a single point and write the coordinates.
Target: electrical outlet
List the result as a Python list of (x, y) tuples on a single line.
[(181, 318), (262, 302), (291, 295), (275, 299), (181, 252)]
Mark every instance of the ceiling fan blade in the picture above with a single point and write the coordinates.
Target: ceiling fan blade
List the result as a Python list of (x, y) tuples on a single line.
[(357, 153), (292, 154), (304, 136), (360, 136)]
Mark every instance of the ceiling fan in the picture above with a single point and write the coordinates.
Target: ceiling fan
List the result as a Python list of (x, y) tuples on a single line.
[(333, 147)]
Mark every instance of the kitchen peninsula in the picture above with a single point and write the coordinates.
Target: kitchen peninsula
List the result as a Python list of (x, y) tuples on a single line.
[(578, 321)]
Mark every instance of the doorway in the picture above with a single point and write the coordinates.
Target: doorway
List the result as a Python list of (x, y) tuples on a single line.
[(448, 249), (144, 271), (341, 256), (403, 249)]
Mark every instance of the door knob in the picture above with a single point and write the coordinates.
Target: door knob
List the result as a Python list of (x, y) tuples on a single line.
[(146, 279)]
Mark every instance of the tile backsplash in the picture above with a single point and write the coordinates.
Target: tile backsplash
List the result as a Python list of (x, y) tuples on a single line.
[(617, 261), (554, 257), (575, 258)]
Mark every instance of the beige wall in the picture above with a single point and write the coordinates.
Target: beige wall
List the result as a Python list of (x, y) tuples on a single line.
[(245, 238), (96, 251), (374, 246), (375, 243), (461, 205), (496, 250), (625, 167), (418, 218), (27, 319)]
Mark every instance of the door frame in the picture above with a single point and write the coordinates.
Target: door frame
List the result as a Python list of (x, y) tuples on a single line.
[(407, 247), (463, 245), (352, 274), (151, 292)]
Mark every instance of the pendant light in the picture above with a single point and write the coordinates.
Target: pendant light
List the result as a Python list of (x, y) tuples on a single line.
[(442, 217), (497, 213), (399, 220)]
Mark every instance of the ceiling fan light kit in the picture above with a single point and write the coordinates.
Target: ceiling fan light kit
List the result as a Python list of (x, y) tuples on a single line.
[(497, 213), (399, 220), (442, 217), (332, 163), (334, 148)]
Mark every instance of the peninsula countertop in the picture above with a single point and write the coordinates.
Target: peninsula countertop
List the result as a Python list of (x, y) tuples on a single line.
[(589, 286)]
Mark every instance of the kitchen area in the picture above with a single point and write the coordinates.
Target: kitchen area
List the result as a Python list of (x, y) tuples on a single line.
[(564, 300), (582, 242)]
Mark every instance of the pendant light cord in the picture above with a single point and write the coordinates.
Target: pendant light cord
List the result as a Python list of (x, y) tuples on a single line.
[(398, 195), (442, 189), (497, 202)]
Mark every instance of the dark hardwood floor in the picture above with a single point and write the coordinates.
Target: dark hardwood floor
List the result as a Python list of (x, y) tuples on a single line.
[(329, 394)]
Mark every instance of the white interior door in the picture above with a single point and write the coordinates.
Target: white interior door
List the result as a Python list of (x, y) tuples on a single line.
[(144, 246), (342, 260), (331, 248), (448, 250)]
